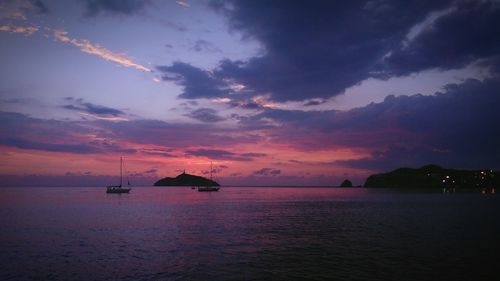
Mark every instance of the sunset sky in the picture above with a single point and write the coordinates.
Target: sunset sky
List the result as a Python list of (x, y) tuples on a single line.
[(271, 92)]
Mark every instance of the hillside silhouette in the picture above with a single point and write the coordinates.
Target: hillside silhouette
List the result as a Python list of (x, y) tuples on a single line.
[(433, 176), (186, 180)]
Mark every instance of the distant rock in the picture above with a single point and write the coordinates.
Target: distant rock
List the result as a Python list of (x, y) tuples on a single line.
[(346, 183), (432, 176), (186, 180)]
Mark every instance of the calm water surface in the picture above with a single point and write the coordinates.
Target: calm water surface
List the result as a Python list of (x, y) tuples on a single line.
[(247, 234)]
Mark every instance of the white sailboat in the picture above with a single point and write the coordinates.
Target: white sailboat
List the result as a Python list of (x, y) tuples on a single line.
[(118, 188)]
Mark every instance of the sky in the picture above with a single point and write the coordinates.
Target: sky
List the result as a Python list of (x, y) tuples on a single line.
[(269, 92)]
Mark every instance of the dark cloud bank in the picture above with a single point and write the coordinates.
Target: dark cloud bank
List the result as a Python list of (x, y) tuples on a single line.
[(456, 128), (317, 49), (466, 34)]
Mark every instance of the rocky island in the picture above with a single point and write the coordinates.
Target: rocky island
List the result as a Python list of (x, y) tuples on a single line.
[(346, 183), (186, 180), (433, 176)]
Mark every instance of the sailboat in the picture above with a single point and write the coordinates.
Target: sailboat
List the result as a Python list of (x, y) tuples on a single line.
[(118, 188), (208, 188)]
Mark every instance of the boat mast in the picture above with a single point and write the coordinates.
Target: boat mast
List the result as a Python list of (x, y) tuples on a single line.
[(121, 170), (210, 170)]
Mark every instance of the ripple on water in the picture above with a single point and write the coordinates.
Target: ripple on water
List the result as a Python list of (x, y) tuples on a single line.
[(248, 234)]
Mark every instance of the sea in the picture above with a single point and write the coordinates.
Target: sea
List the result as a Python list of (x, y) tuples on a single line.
[(248, 233)]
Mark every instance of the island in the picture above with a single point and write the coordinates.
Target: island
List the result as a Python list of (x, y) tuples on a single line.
[(433, 176), (186, 180), (346, 183)]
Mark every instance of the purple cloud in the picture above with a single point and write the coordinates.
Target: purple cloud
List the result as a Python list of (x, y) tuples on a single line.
[(205, 46), (320, 58), (223, 154), (53, 147), (197, 83), (454, 128), (338, 46), (463, 35), (123, 7), (21, 131), (80, 105), (207, 115), (267, 172)]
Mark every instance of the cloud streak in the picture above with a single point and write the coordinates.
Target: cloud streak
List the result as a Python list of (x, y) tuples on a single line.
[(207, 115), (26, 30), (94, 110), (98, 50), (223, 154), (267, 172), (183, 3), (52, 147)]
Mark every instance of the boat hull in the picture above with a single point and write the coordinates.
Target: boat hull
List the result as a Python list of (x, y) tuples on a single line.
[(117, 190), (208, 188)]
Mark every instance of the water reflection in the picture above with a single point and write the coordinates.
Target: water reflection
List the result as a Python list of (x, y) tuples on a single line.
[(246, 234)]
